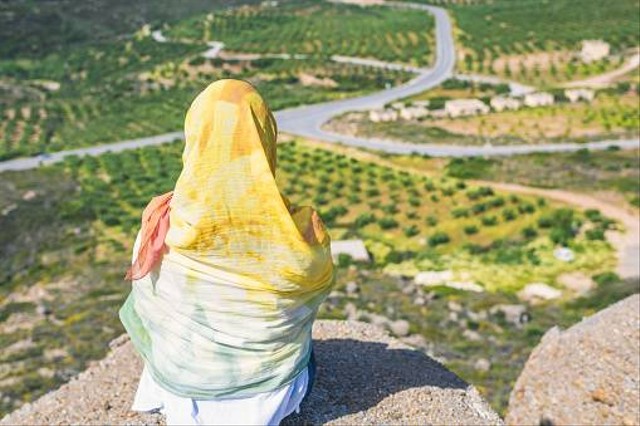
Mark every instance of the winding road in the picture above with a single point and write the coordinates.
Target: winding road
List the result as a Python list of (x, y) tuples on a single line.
[(307, 121)]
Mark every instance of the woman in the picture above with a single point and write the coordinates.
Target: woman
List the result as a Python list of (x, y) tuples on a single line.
[(227, 275)]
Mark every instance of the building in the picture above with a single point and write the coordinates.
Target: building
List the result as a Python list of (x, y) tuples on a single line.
[(353, 248), (538, 99), (380, 115), (503, 103), (414, 112), (575, 95), (594, 50), (464, 107)]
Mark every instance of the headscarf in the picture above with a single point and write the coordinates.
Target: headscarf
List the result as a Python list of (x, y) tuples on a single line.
[(229, 309)]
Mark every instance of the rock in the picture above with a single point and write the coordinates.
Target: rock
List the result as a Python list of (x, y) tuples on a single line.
[(577, 282), (564, 254), (465, 286), (454, 306), (431, 278), (352, 288), (350, 311), (536, 292), (587, 374), (482, 364), (515, 314), (419, 301), (472, 335), (29, 195), (408, 387), (400, 328)]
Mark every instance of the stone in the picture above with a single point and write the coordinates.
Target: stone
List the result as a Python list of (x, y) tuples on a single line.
[(29, 195), (454, 306), (408, 387), (587, 374), (564, 254), (431, 278), (472, 335), (515, 314), (400, 328), (536, 292), (577, 282), (352, 288), (482, 364), (350, 311)]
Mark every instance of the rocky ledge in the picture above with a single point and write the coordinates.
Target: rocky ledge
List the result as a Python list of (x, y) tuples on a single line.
[(364, 377)]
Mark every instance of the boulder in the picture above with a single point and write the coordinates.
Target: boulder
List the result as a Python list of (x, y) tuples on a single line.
[(536, 292), (364, 376), (587, 374)]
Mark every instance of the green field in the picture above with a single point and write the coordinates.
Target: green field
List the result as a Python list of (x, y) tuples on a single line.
[(491, 32), (62, 286), (319, 28)]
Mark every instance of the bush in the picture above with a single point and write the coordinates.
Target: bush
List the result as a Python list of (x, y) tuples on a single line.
[(489, 220), (509, 215), (411, 231), (606, 278), (595, 234), (526, 208), (432, 220), (439, 238), (387, 223), (460, 212), (414, 201), (364, 219), (593, 215), (529, 232), (344, 260), (470, 229), (372, 192)]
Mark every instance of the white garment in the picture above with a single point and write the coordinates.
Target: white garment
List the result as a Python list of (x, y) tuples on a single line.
[(266, 408)]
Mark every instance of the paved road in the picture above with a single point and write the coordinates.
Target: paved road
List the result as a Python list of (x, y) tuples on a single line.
[(307, 121)]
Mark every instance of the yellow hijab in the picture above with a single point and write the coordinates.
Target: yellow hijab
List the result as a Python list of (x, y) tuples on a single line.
[(229, 309)]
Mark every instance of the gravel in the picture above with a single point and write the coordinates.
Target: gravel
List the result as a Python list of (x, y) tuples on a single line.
[(364, 377)]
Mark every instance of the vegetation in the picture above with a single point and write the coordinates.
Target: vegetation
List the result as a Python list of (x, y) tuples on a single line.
[(317, 28), (66, 277)]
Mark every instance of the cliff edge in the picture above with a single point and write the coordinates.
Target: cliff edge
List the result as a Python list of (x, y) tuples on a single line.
[(364, 377)]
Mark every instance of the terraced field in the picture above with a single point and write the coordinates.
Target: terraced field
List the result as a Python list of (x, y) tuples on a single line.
[(61, 286), (318, 28)]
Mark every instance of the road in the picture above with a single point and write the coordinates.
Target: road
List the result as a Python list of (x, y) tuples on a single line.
[(307, 120)]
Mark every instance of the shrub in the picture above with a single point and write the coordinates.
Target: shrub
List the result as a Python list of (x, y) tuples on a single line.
[(373, 192), (529, 232), (414, 201), (387, 223), (390, 209), (344, 260), (595, 234), (439, 238), (470, 229), (435, 198), (526, 208), (478, 208), (432, 220), (364, 219), (509, 215), (489, 220), (483, 191), (460, 212), (411, 231), (606, 278), (593, 215)]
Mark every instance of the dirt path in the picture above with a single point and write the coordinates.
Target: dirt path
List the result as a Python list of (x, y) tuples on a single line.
[(626, 244)]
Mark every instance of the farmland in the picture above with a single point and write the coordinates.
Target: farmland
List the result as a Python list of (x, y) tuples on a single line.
[(63, 285), (317, 28), (535, 41)]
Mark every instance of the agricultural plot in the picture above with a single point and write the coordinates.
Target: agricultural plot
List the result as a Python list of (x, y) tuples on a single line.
[(140, 88), (319, 28), (535, 41), (63, 285)]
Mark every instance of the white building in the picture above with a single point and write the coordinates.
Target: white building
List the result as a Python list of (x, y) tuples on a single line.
[(353, 248), (414, 112), (575, 95), (538, 99), (380, 115), (594, 50), (462, 107), (503, 103)]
